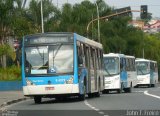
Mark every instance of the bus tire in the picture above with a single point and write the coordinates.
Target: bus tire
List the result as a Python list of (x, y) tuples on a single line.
[(37, 99), (90, 95), (153, 85), (128, 90), (105, 91), (149, 85), (120, 90), (98, 94)]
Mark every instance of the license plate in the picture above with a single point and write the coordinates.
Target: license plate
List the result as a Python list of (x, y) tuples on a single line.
[(49, 88)]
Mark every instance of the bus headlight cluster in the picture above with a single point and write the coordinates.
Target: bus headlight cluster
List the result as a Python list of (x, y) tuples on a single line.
[(69, 81), (29, 82)]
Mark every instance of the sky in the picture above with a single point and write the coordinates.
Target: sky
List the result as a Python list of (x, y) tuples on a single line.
[(153, 5)]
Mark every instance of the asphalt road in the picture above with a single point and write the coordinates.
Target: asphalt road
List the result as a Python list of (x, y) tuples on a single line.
[(141, 102)]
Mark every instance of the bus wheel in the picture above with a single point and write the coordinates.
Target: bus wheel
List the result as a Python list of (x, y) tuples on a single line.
[(120, 90), (149, 85), (90, 95), (98, 94), (153, 85), (82, 96), (37, 99), (128, 90)]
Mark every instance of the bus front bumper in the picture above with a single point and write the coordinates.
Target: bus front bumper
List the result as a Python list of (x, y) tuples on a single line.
[(50, 89)]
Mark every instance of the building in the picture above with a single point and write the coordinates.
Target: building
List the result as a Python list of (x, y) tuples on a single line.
[(152, 27)]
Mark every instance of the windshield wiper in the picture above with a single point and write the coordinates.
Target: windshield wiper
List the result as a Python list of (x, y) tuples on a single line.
[(54, 55), (107, 71), (41, 55), (141, 71)]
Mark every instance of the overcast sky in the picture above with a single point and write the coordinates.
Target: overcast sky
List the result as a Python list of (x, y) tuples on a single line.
[(153, 5)]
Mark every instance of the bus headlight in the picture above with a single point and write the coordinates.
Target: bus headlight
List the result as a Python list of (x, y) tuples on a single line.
[(29, 82), (69, 81)]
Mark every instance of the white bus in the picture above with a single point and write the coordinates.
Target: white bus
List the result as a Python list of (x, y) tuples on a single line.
[(120, 73), (147, 72)]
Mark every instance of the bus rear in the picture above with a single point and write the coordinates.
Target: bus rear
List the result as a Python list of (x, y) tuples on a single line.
[(48, 65)]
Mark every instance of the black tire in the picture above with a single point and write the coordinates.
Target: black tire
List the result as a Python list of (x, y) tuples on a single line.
[(37, 99), (98, 94), (128, 90), (105, 91), (90, 95), (119, 90), (153, 85), (136, 86), (149, 85)]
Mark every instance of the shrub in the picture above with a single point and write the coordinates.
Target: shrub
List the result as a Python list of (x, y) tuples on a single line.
[(12, 73)]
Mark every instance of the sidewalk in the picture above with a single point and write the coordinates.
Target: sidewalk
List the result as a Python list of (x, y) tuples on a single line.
[(9, 97)]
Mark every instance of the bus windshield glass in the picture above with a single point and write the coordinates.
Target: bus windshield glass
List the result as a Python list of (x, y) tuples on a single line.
[(142, 68), (52, 59), (111, 66)]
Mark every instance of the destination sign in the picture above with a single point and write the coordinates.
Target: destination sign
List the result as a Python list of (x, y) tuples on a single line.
[(48, 39)]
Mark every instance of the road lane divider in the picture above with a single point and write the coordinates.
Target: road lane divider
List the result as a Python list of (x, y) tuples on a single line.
[(155, 96), (94, 108)]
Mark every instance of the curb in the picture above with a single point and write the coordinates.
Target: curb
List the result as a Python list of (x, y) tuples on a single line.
[(13, 101)]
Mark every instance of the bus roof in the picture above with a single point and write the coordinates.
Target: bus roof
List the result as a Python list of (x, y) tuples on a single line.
[(147, 60), (113, 55), (77, 36), (128, 56), (88, 41), (49, 33)]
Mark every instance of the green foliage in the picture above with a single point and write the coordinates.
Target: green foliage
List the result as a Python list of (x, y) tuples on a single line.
[(10, 74), (5, 50)]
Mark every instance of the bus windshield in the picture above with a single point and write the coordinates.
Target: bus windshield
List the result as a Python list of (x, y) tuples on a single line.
[(52, 59), (142, 68), (111, 66)]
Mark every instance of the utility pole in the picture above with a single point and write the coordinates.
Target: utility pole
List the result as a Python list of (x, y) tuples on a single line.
[(42, 24), (98, 22), (57, 3)]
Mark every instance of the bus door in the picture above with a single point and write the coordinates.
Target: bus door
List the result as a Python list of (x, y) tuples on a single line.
[(87, 64), (95, 68), (123, 74), (92, 69)]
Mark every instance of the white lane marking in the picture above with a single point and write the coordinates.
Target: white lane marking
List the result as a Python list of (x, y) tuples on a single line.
[(94, 108), (138, 91), (101, 112), (146, 93)]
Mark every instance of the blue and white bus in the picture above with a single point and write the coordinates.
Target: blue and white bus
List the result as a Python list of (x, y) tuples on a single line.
[(61, 64), (147, 72), (120, 72)]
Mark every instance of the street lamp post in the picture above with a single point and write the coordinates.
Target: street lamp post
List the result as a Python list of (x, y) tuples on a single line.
[(98, 22), (42, 17), (108, 16)]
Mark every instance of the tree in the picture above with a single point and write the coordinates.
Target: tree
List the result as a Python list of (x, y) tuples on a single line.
[(6, 13)]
